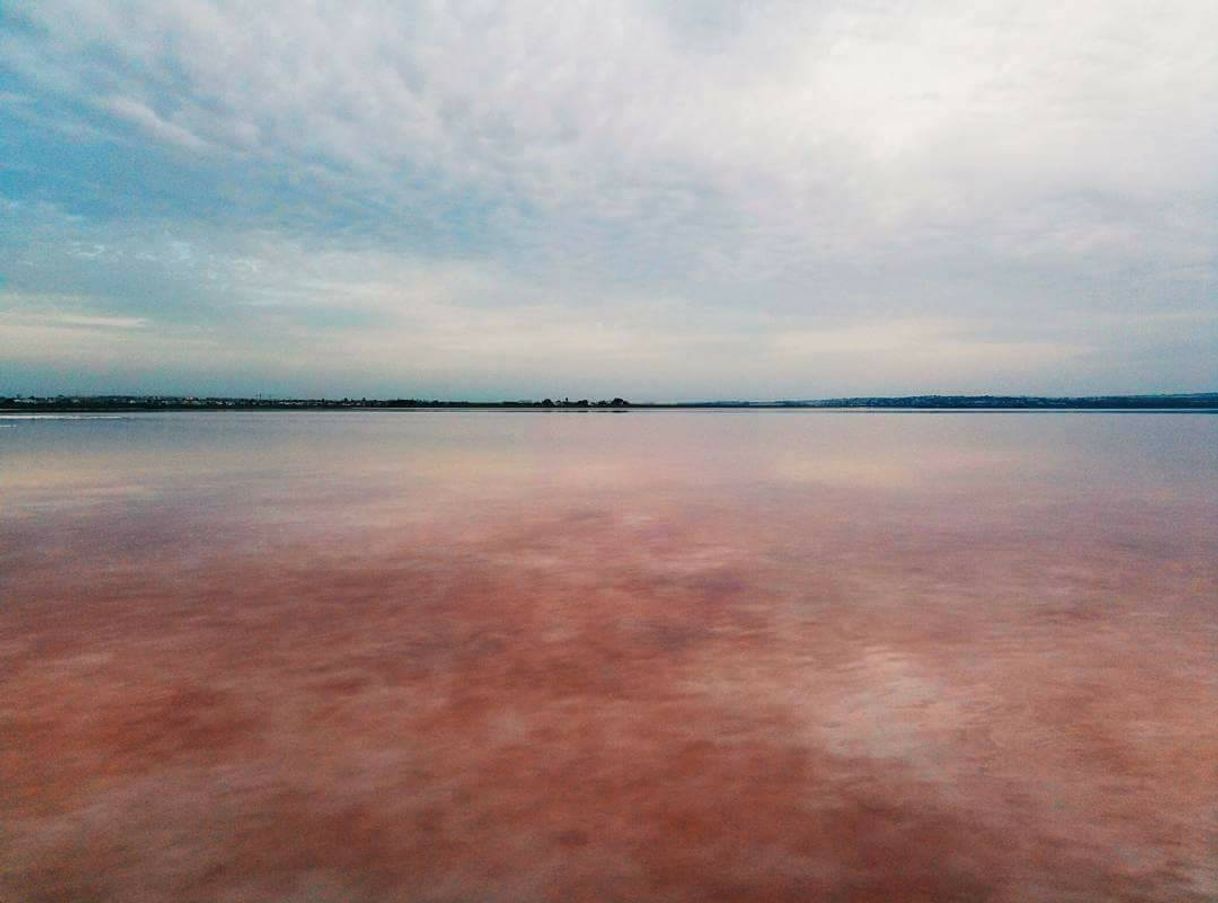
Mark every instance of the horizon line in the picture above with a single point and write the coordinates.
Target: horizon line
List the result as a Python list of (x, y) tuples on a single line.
[(906, 400)]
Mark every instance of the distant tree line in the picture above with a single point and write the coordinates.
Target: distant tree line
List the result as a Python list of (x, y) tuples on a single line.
[(110, 403), (113, 403)]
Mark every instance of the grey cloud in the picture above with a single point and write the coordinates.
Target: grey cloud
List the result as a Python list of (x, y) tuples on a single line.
[(761, 169)]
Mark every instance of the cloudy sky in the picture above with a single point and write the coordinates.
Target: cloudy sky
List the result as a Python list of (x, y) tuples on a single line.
[(680, 200)]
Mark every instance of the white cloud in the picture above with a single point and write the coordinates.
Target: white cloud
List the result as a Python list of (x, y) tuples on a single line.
[(698, 179), (559, 101), (135, 112)]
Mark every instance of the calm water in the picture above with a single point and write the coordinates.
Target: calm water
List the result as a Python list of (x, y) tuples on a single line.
[(674, 656)]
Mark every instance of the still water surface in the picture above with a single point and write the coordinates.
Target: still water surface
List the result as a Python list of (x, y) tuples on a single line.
[(653, 655)]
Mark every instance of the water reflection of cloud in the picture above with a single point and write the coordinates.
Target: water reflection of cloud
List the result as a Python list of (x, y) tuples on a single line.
[(471, 647), (889, 468)]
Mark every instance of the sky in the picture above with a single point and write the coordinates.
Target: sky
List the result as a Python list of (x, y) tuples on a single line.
[(697, 199)]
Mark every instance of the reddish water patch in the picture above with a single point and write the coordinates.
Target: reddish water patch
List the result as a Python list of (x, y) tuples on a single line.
[(950, 668)]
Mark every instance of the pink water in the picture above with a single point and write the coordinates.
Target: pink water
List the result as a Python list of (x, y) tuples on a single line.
[(647, 656)]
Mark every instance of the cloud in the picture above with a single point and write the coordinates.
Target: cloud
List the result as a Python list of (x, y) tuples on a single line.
[(632, 185), (156, 127)]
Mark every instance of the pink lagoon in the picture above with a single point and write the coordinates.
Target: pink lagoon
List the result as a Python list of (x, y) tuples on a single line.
[(345, 656)]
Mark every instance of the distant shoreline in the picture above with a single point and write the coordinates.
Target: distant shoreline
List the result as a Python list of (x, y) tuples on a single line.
[(110, 404)]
